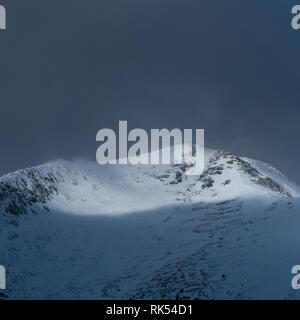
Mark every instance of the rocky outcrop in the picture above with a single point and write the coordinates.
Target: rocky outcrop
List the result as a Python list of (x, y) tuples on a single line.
[(29, 187)]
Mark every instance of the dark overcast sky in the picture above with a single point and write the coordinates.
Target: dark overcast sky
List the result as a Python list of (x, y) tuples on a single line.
[(69, 68)]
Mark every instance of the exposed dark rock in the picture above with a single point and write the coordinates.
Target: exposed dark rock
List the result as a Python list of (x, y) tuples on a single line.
[(31, 187), (226, 182), (208, 182), (178, 178)]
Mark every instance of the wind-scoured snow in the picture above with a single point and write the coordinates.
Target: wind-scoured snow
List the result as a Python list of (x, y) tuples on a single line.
[(77, 230)]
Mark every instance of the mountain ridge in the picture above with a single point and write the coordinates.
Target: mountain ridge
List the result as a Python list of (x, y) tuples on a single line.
[(38, 185)]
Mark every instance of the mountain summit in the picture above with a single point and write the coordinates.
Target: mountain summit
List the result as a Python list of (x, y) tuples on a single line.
[(87, 188)]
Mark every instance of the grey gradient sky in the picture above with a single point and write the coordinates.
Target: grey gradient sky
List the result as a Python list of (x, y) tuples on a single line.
[(69, 68)]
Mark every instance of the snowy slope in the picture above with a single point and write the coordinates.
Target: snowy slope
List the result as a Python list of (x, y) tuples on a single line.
[(72, 230)]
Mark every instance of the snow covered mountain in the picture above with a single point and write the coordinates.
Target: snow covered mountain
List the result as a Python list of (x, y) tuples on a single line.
[(77, 230)]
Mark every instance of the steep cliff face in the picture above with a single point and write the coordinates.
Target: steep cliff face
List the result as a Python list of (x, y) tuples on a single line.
[(80, 230)]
